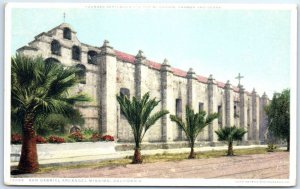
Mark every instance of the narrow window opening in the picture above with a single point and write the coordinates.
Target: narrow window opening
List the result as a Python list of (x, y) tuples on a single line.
[(220, 116), (201, 106), (76, 53), (92, 57), (67, 33), (124, 92), (55, 47), (81, 74), (179, 107)]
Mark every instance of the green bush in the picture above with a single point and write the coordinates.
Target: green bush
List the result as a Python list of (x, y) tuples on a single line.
[(56, 124), (16, 127), (88, 131), (271, 147), (53, 124)]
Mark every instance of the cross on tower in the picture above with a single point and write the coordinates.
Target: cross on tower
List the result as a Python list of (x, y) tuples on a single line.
[(239, 77), (64, 17)]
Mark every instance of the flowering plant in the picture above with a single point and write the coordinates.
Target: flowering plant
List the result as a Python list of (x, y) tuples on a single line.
[(55, 139), (107, 138), (40, 140), (95, 137), (77, 136), (16, 138)]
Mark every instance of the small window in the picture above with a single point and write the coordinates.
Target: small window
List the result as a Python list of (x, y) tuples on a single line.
[(248, 118), (76, 53), (81, 74), (67, 33), (55, 47), (235, 110), (92, 57), (220, 115), (201, 106), (125, 92), (178, 107)]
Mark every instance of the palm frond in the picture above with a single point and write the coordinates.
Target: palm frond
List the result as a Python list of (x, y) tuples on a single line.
[(230, 133), (194, 122), (138, 114), (42, 88), (152, 119), (179, 122)]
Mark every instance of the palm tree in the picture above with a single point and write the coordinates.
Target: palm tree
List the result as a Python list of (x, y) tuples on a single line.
[(38, 89), (230, 134), (137, 112), (193, 125)]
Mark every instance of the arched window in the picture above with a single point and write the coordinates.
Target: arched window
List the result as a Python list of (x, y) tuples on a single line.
[(236, 109), (76, 53), (178, 107), (81, 73), (55, 47), (201, 106), (51, 61), (92, 57), (67, 33), (220, 116), (125, 92)]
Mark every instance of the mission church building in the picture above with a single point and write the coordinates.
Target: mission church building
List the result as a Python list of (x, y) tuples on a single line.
[(106, 72)]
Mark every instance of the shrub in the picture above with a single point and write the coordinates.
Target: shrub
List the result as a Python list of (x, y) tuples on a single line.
[(55, 139), (16, 138), (40, 140), (52, 124), (107, 138), (77, 136), (96, 137), (57, 124), (69, 140), (88, 131), (16, 126), (271, 147)]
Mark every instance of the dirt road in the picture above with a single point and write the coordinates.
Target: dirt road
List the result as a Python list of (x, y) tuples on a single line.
[(260, 166)]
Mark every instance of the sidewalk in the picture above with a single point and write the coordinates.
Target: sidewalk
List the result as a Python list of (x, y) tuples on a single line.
[(79, 159)]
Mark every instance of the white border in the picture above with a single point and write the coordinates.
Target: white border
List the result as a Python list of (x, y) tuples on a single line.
[(7, 89), (287, 6), (151, 182), (293, 97)]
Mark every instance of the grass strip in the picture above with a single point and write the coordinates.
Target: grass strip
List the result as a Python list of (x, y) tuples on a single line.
[(156, 158)]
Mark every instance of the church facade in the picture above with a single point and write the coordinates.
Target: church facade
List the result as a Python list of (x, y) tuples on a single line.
[(106, 72)]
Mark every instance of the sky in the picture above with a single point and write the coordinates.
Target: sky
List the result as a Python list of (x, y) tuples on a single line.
[(221, 42)]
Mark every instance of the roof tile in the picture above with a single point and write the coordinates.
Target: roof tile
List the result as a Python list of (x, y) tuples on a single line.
[(176, 71)]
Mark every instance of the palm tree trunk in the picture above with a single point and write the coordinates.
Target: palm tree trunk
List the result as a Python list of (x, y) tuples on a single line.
[(230, 149), (288, 144), (137, 157), (29, 160), (192, 153)]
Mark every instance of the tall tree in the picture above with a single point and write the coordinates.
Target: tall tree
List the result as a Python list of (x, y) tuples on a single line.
[(193, 125), (38, 89), (230, 134), (137, 112), (278, 112)]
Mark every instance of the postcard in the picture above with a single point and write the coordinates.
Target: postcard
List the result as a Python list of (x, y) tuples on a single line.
[(103, 94)]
